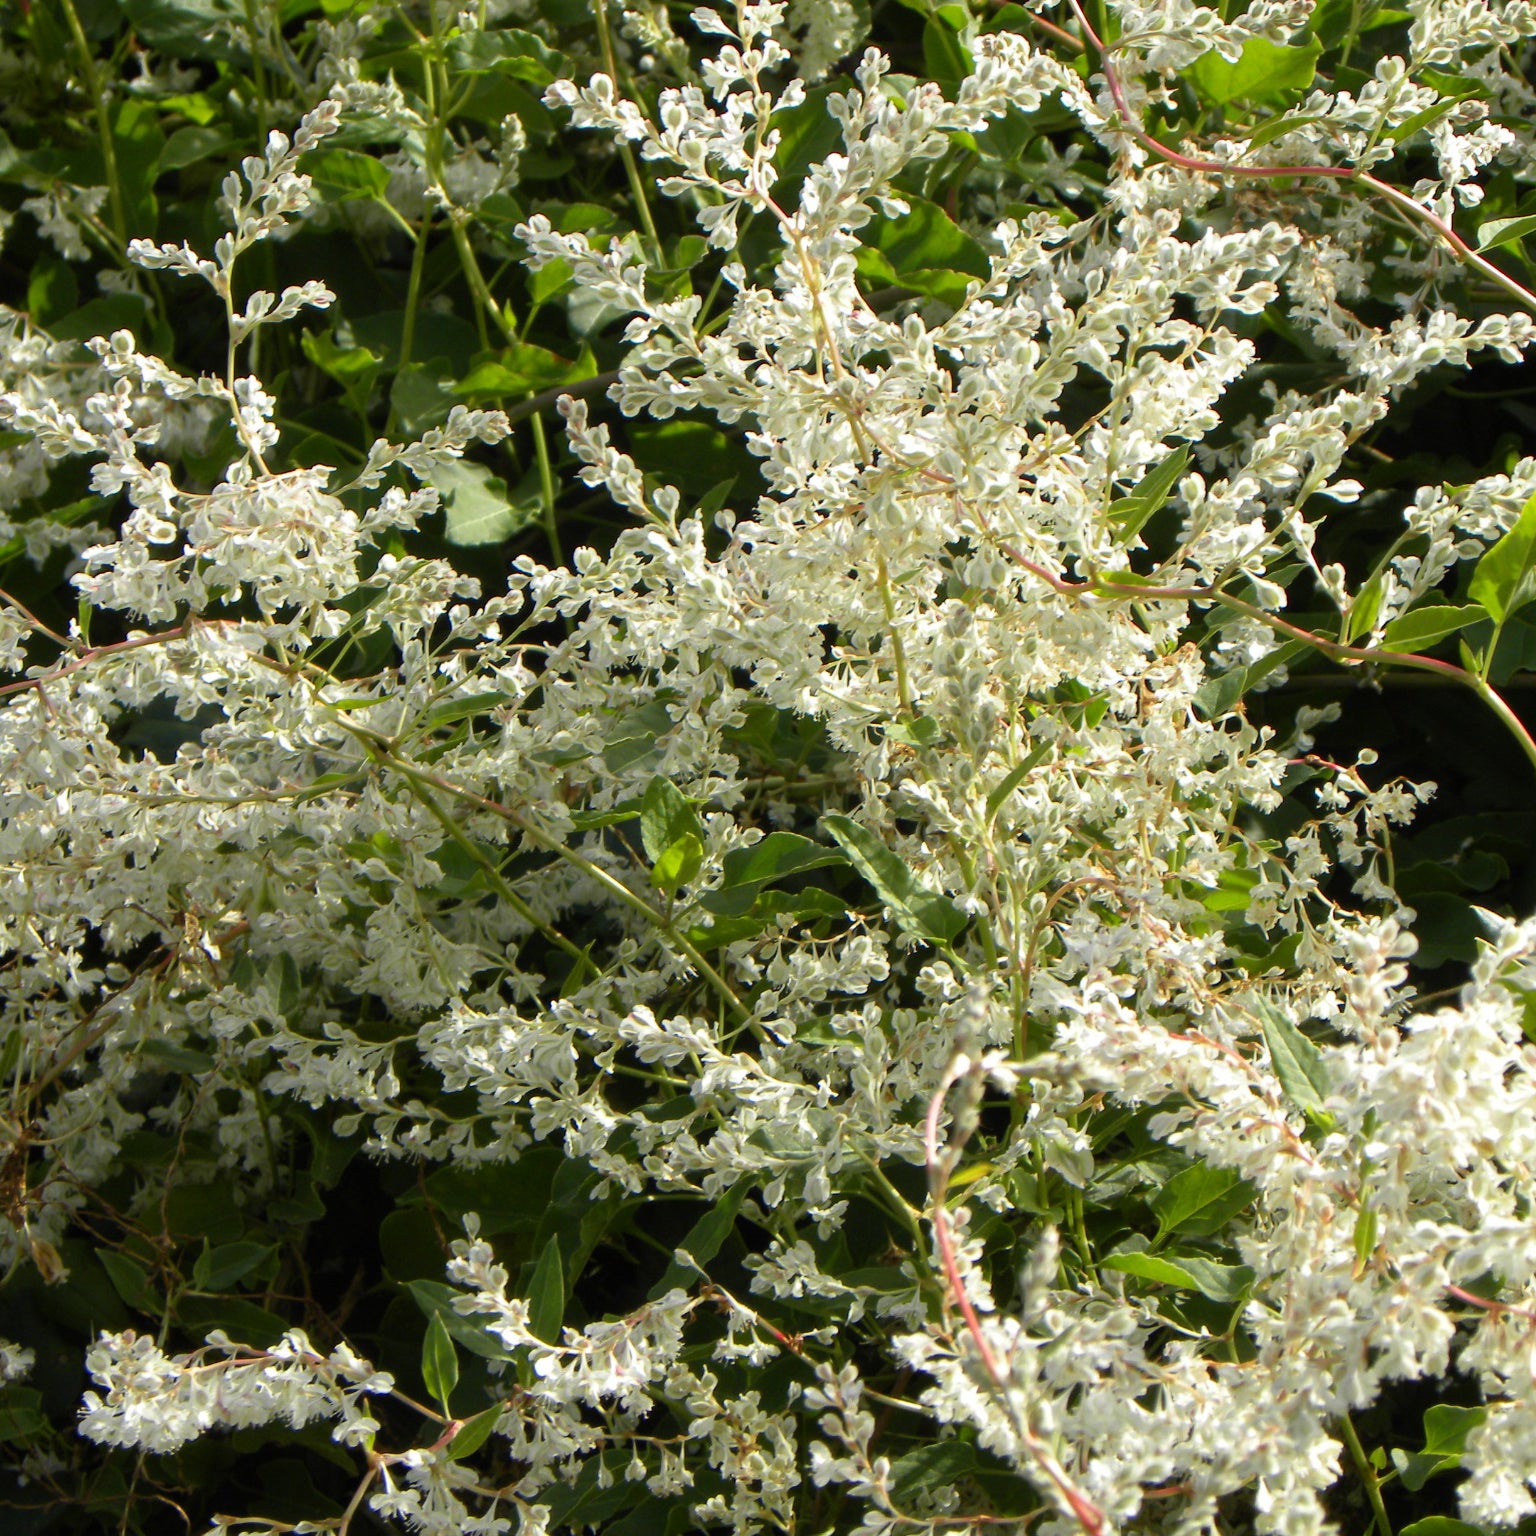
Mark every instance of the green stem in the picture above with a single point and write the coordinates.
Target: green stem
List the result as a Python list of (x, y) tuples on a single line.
[(626, 154), (412, 303), (492, 873), (547, 488), (384, 751), (1367, 1475), (898, 651), (258, 70), (99, 100)]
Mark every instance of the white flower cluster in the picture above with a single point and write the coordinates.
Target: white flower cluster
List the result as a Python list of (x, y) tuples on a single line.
[(1016, 714), (159, 1401)]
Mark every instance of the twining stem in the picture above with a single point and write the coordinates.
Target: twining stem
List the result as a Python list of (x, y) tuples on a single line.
[(940, 1167), (1333, 649)]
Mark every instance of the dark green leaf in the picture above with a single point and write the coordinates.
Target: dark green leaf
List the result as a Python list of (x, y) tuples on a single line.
[(131, 1281), (21, 1413), (1300, 1065), (930, 1468), (219, 1268), (1264, 72), (1200, 1200), (1502, 580), (704, 1240), (436, 1301), (665, 816), (927, 913), (439, 1361), (473, 1433), (546, 1296), (1420, 628)]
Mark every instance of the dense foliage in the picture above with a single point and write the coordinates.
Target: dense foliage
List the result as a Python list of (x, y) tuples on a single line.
[(721, 743)]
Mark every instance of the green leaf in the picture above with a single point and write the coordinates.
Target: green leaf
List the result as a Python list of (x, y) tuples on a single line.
[(476, 505), (346, 175), (439, 1361), (347, 365), (634, 737), (189, 145), (1421, 628), (524, 369), (1440, 1525), (219, 1268), (1427, 118), (1200, 1200), (1131, 511), (436, 1301), (52, 291), (678, 864), (924, 238), (451, 711), (705, 1238), (1264, 72), (930, 1468), (1366, 1223), (745, 871), (1185, 1272), (1277, 127), (925, 731), (507, 51), (1363, 608), (927, 913), (189, 29), (1446, 1428), (473, 1433), (1504, 231), (1013, 778), (1502, 580), (130, 1281), (177, 1058), (21, 1414), (546, 1296), (1300, 1065), (946, 59), (665, 817)]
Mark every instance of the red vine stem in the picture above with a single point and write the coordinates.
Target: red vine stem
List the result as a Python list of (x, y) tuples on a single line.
[(1393, 195), (1087, 1514)]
